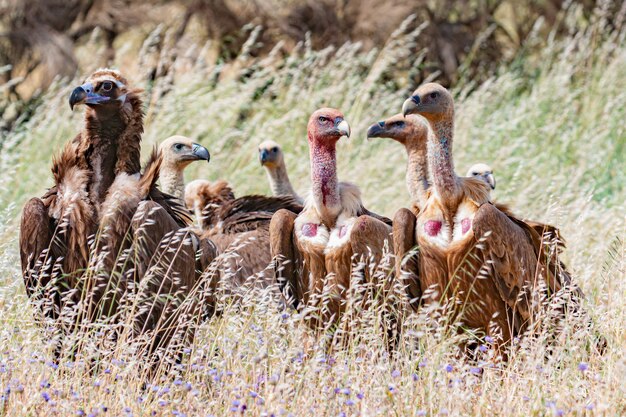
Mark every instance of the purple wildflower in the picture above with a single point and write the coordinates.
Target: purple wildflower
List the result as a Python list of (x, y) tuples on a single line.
[(349, 402), (449, 368), (360, 395), (415, 377), (395, 373), (483, 348), (488, 339), (582, 367), (345, 391), (476, 370), (253, 394), (45, 396)]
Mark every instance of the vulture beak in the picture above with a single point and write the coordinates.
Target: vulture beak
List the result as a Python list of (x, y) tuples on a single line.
[(411, 105), (490, 179), (263, 156), (342, 127), (85, 95), (376, 130), (200, 152)]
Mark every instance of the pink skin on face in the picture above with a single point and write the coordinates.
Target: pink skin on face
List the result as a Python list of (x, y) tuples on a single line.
[(342, 231), (432, 227), (465, 225), (309, 230)]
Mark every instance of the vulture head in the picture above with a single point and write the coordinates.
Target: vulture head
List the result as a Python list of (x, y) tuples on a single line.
[(105, 92), (180, 151), (484, 172), (326, 126), (270, 154), (411, 131), (431, 100)]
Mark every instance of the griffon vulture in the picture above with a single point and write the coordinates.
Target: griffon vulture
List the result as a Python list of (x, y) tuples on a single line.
[(494, 261), (272, 159), (178, 152), (314, 250)]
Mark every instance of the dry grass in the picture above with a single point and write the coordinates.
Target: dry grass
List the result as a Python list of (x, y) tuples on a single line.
[(552, 127)]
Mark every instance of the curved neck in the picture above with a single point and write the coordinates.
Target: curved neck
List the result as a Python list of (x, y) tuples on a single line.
[(324, 174), (279, 180), (173, 181), (417, 174), (440, 160)]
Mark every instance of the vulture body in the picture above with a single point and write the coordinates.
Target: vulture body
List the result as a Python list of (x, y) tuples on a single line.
[(273, 160), (497, 271), (239, 227), (315, 252)]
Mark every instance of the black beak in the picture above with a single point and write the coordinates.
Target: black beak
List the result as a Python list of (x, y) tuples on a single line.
[(200, 152), (78, 96), (85, 95), (376, 130), (410, 105), (263, 156)]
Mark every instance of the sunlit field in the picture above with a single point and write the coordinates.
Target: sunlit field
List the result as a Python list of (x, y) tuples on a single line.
[(552, 125)]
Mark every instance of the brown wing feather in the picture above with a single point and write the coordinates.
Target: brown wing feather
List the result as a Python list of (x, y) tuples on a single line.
[(37, 260), (290, 272), (407, 265), (509, 247)]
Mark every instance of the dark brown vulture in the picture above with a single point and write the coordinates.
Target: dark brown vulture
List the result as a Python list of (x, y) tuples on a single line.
[(334, 236), (55, 230), (98, 211), (272, 159), (239, 227), (497, 272)]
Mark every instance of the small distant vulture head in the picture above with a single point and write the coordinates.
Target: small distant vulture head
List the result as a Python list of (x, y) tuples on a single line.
[(270, 154), (326, 126), (431, 100), (180, 151), (105, 91), (484, 172), (409, 130)]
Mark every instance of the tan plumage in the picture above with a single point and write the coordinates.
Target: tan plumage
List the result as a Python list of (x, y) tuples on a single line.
[(178, 152), (495, 264), (334, 236), (273, 160)]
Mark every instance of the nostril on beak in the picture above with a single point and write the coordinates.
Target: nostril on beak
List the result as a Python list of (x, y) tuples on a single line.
[(381, 124)]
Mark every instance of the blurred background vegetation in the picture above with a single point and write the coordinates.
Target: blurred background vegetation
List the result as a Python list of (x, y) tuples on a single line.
[(460, 40)]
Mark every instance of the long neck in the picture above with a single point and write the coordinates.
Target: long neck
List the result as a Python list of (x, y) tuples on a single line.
[(279, 180), (417, 174), (440, 157), (173, 181), (324, 174)]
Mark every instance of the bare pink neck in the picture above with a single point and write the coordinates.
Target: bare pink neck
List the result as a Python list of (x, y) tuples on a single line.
[(440, 159), (323, 173)]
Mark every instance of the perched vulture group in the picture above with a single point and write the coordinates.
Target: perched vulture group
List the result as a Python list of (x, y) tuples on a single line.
[(106, 236)]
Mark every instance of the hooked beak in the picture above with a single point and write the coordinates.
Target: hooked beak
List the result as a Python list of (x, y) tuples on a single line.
[(264, 156), (85, 95), (491, 180), (410, 105), (342, 127), (376, 130), (200, 152)]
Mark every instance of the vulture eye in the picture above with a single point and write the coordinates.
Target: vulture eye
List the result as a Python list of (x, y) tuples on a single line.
[(434, 95), (274, 149), (474, 174), (178, 146), (399, 123), (107, 86), (323, 119)]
